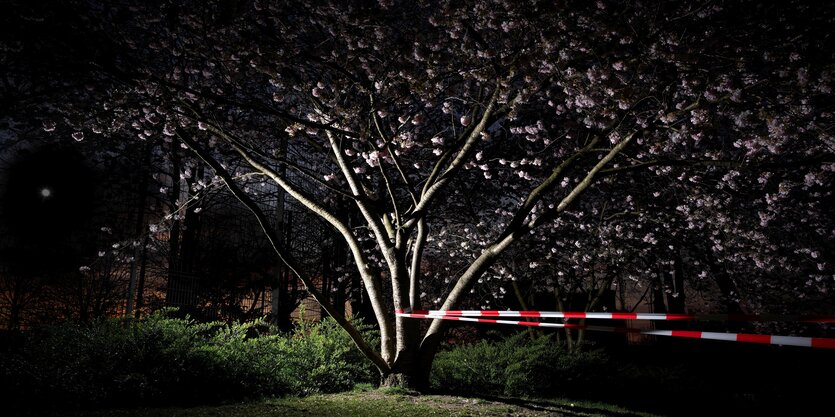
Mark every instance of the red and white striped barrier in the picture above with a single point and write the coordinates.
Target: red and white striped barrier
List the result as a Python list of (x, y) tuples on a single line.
[(627, 316), (815, 342)]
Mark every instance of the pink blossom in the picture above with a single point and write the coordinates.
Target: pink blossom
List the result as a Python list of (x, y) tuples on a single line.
[(447, 107)]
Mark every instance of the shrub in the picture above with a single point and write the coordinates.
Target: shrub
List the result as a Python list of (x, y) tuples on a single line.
[(518, 366), (163, 360), (321, 357), (51, 361)]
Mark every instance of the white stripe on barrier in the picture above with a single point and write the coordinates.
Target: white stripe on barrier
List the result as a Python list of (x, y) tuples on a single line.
[(792, 341), (627, 316), (818, 342), (728, 337)]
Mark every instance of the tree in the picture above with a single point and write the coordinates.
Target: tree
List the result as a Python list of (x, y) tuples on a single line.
[(553, 113)]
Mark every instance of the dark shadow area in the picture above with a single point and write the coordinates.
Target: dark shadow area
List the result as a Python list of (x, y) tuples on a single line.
[(672, 377), (568, 410), (685, 377)]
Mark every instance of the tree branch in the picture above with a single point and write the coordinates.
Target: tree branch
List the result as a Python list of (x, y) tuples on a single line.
[(251, 106), (822, 159), (374, 220), (548, 184), (285, 257), (417, 254), (491, 253), (430, 192), (373, 285)]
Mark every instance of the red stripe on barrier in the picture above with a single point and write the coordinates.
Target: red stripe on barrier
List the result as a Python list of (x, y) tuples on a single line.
[(753, 338), (679, 317), (570, 315), (819, 342), (624, 316), (530, 323), (687, 333), (490, 313), (529, 314)]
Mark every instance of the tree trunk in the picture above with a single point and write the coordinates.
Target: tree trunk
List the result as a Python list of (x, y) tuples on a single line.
[(338, 281), (407, 380), (413, 375), (174, 289), (14, 316), (562, 306), (674, 280), (658, 305), (140, 227), (727, 287), (140, 288)]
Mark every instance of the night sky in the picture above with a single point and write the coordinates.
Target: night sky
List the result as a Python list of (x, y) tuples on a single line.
[(47, 187), (48, 198)]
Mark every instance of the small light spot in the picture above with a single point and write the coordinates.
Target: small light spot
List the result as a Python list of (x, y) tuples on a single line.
[(46, 192)]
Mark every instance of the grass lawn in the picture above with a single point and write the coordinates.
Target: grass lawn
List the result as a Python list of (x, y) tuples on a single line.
[(377, 403)]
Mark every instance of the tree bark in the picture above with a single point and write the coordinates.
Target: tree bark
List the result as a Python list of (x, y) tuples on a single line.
[(674, 280), (174, 286), (140, 288), (727, 287)]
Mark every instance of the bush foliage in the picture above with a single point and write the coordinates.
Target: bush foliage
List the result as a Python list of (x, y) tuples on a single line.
[(168, 360), (520, 365)]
